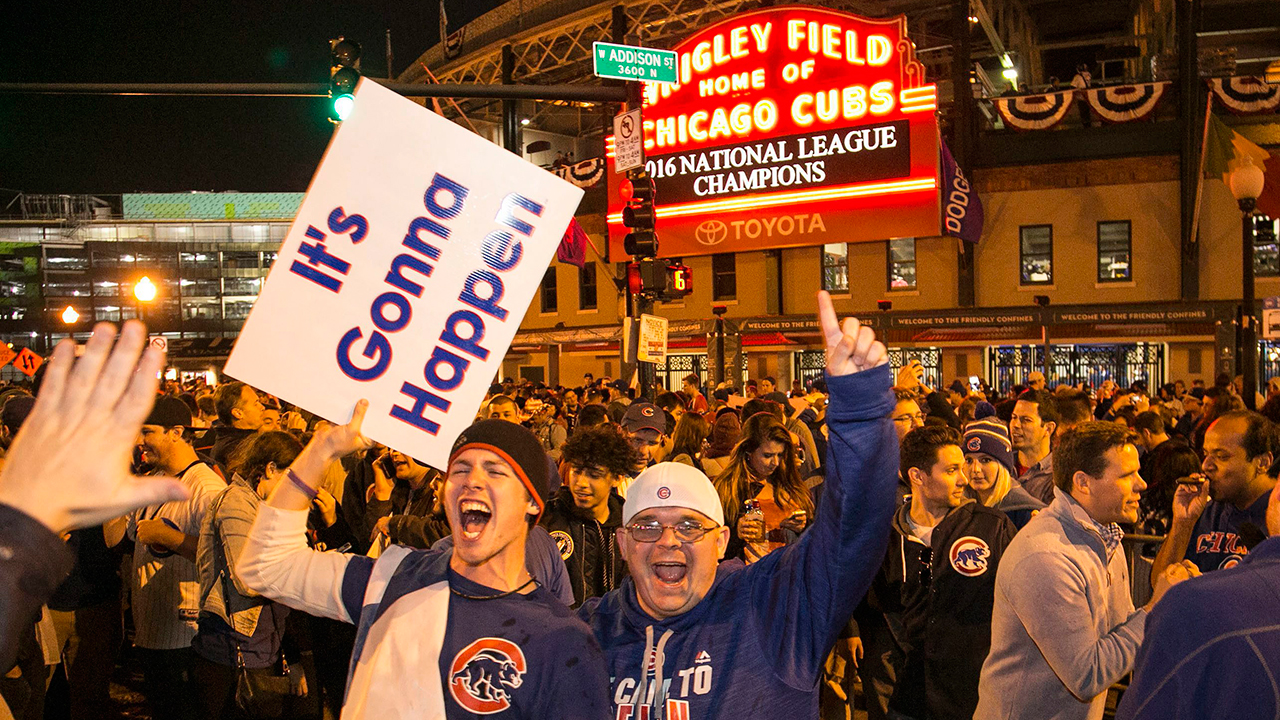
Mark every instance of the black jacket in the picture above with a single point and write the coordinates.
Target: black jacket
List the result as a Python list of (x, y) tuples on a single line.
[(413, 522), (589, 548), (945, 594)]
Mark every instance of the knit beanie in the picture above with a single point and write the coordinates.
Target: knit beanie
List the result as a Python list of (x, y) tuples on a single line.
[(514, 444), (983, 409), (990, 436)]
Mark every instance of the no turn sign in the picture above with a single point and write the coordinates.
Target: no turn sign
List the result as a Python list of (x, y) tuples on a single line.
[(628, 141)]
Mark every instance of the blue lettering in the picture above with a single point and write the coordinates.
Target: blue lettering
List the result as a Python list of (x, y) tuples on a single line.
[(421, 399), (507, 214), (456, 192), (395, 277), (471, 343), (457, 369), (377, 312), (339, 222), (377, 348), (413, 238), (487, 305), (499, 252)]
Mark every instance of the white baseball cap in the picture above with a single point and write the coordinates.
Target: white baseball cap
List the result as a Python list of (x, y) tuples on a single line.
[(671, 484)]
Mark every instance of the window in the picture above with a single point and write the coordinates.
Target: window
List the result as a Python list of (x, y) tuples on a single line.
[(240, 259), (835, 267), (1035, 252), (549, 302), (249, 233), (724, 277), (1266, 258), (587, 287), (201, 287), (902, 264), (207, 260), (1115, 245), (241, 286)]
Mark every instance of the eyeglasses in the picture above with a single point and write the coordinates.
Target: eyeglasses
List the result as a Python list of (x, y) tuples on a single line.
[(686, 532), (910, 417)]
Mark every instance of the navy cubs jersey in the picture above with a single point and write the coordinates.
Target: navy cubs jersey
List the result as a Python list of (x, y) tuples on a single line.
[(1215, 543), (519, 656)]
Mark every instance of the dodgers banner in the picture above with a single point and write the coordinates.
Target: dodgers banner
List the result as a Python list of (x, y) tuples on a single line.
[(962, 214), (405, 275)]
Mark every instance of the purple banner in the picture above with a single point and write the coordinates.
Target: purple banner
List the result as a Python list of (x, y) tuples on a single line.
[(961, 208)]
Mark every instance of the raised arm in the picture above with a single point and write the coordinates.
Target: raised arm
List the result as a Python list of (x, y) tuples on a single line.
[(276, 561), (806, 593)]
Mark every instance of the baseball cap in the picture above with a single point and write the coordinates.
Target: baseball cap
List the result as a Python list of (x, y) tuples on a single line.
[(169, 412), (640, 416), (671, 484), (520, 448)]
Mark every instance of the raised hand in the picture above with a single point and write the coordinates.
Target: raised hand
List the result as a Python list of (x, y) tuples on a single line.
[(338, 441), (851, 348), (69, 465), (1189, 501)]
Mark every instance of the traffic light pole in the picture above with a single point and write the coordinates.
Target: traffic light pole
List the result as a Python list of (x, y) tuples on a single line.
[(583, 93), (643, 304)]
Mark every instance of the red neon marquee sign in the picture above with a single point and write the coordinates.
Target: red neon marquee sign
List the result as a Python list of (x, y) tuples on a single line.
[(787, 109)]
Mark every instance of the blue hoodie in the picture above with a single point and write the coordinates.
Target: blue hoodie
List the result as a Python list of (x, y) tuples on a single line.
[(755, 645)]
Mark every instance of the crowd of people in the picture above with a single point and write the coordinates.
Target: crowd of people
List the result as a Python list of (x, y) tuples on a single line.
[(723, 551)]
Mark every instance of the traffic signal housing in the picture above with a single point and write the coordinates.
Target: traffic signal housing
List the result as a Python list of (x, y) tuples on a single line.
[(344, 74), (659, 279), (639, 215)]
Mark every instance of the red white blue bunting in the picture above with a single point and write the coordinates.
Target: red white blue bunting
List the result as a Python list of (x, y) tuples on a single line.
[(583, 174), (1035, 112), (1246, 95), (1126, 103)]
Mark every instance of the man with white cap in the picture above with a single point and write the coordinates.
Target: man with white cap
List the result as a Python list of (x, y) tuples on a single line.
[(686, 638)]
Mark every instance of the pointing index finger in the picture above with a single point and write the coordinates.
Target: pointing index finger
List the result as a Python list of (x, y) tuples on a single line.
[(827, 319)]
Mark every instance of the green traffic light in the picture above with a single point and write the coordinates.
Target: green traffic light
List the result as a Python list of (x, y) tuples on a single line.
[(343, 105)]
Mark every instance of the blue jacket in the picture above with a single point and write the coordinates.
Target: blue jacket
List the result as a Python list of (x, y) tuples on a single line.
[(1213, 646), (755, 645)]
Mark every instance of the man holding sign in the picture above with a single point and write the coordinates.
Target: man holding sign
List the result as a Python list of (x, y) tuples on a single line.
[(441, 633)]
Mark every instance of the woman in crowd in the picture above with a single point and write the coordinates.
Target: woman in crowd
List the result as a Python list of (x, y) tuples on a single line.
[(989, 467), (238, 627), (724, 436), (1165, 464), (690, 436), (764, 468)]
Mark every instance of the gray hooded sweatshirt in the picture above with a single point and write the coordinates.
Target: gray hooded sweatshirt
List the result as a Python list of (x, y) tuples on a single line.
[(1064, 628)]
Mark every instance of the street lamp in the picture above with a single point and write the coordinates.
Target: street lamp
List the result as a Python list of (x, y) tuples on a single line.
[(70, 316), (1246, 185), (144, 290)]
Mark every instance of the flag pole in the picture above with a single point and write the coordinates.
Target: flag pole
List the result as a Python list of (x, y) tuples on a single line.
[(1204, 143)]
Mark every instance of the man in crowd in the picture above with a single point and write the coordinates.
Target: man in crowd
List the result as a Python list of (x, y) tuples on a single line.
[(645, 426), (502, 407), (939, 574), (164, 584), (906, 415), (452, 634), (1213, 645), (693, 398), (767, 386), (1213, 521), (584, 515), (1035, 381), (1064, 628), (1073, 408), (240, 412), (403, 504), (686, 637), (1035, 417), (1194, 409), (571, 408)]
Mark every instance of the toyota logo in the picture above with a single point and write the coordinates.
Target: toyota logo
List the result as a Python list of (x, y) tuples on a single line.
[(712, 232)]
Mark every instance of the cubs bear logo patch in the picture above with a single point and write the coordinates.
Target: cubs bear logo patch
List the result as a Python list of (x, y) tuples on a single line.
[(564, 543), (483, 675), (975, 444), (970, 556)]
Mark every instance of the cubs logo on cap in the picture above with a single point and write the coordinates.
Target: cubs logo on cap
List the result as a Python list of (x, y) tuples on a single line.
[(975, 444), (664, 492), (970, 556), (647, 411), (483, 675), (564, 543)]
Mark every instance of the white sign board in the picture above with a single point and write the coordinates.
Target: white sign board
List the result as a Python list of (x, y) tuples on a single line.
[(405, 275), (653, 339), (1271, 324), (628, 141)]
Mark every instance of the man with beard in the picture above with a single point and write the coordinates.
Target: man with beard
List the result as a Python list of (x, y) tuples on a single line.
[(450, 634), (584, 515), (687, 637), (1214, 516)]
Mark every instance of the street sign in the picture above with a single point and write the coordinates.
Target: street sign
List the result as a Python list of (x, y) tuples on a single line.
[(628, 141), (28, 362), (653, 339), (161, 342), (625, 62)]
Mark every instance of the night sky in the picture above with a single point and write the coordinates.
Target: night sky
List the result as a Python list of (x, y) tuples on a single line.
[(112, 145)]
